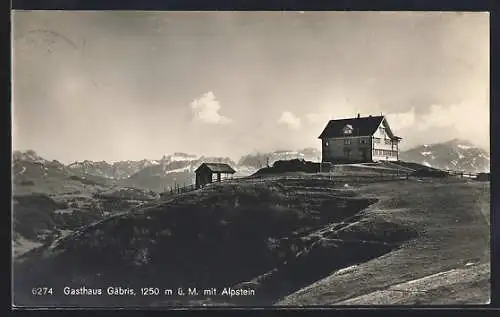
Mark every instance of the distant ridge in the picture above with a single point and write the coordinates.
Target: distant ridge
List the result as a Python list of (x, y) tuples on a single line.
[(178, 168), (456, 154)]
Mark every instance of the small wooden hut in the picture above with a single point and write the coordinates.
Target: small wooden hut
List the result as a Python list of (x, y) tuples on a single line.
[(484, 177), (208, 173)]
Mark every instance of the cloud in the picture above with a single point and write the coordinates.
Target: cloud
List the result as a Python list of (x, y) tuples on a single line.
[(206, 108), (465, 120), (402, 120), (454, 115), (289, 119)]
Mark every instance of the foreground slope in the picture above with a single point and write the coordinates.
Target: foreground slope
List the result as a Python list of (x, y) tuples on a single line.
[(276, 236), (449, 263)]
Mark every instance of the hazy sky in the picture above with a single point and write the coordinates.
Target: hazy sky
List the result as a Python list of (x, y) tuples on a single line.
[(131, 85)]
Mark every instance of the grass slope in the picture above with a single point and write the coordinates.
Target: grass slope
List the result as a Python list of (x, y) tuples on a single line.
[(452, 218), (49, 199), (288, 238), (220, 236)]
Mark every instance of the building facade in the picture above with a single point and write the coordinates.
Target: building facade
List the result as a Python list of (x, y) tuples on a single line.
[(359, 140)]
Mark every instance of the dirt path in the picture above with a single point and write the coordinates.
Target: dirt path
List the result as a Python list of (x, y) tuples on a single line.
[(454, 286), (453, 221)]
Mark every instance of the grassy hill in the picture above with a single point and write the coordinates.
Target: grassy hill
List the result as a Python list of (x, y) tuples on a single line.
[(48, 177), (40, 218), (447, 264), (50, 200), (287, 238), (374, 169)]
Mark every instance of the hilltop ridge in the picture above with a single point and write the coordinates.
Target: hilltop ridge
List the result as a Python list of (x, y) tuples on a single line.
[(177, 169)]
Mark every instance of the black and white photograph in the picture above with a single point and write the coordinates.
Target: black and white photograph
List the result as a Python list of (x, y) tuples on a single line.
[(250, 158)]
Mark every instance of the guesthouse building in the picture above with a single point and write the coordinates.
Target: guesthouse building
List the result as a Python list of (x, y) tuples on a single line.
[(359, 140)]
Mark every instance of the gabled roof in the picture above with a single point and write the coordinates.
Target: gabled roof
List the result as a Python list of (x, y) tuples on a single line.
[(217, 168), (364, 126)]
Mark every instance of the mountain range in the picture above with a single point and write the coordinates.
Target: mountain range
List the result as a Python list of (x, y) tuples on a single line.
[(171, 170), (177, 169), (52, 198), (456, 155)]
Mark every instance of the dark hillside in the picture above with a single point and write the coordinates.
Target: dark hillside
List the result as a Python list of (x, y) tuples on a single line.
[(217, 237), (295, 165)]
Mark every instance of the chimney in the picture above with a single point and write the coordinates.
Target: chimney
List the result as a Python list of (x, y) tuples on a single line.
[(358, 115)]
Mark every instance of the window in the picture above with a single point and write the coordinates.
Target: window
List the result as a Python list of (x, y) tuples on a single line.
[(376, 140), (347, 141), (382, 131), (388, 141), (383, 153), (347, 152), (363, 141), (347, 129)]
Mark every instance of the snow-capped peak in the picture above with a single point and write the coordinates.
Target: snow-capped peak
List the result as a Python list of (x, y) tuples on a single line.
[(460, 155), (178, 156), (183, 158), (464, 147), (28, 155)]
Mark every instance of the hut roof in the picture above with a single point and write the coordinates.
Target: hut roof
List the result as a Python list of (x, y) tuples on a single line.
[(216, 168)]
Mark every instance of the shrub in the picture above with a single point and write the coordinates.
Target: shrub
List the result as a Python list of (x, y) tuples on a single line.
[(429, 173)]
